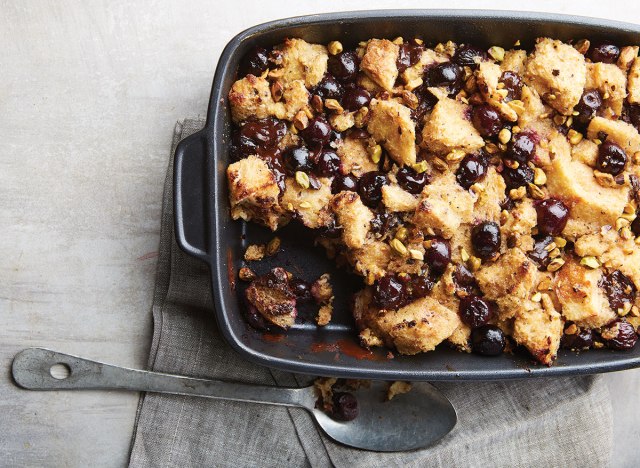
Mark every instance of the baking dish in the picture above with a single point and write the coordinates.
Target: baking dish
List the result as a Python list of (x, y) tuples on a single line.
[(205, 230)]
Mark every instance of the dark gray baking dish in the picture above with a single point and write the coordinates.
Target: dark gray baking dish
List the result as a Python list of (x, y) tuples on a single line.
[(205, 230)]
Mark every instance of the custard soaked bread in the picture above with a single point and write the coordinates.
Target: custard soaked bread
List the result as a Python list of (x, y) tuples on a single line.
[(488, 198)]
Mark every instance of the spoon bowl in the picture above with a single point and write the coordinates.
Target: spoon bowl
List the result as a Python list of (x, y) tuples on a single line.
[(409, 421)]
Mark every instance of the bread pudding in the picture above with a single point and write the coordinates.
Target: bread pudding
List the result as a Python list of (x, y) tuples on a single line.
[(488, 198)]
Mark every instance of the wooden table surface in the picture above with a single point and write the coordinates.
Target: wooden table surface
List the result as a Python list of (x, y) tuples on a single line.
[(89, 95)]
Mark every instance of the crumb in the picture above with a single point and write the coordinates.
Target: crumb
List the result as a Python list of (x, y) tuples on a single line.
[(324, 389), (324, 315), (397, 388), (255, 252), (321, 290), (246, 274)]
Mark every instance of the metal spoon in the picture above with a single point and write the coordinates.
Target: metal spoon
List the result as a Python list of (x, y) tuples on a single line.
[(409, 421)]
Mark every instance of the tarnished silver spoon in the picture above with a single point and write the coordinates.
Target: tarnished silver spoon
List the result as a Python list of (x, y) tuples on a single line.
[(410, 421)]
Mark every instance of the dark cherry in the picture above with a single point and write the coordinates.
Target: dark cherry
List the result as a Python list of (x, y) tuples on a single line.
[(370, 188), (255, 62), (328, 163), (465, 280), (488, 340), (421, 285), (486, 120), (469, 55), (389, 292), (343, 183), (438, 255), (355, 98), (539, 254), (625, 337), (301, 289), (317, 132), (588, 105), (344, 66), (635, 225), (384, 222), (472, 169), (581, 340), (359, 134), (604, 52), (522, 147), (514, 178), (345, 406), (426, 101), (297, 159), (619, 288), (260, 136), (408, 55), (474, 311), (632, 114), (485, 239), (446, 74), (328, 88), (513, 84), (412, 181), (254, 317), (611, 158), (552, 216)]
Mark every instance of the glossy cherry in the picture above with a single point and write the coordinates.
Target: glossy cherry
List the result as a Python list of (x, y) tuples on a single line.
[(486, 120), (474, 311), (472, 169), (488, 340), (605, 52), (437, 255), (611, 158), (370, 188), (328, 164), (342, 183), (553, 215), (485, 239), (412, 181), (255, 62), (344, 66)]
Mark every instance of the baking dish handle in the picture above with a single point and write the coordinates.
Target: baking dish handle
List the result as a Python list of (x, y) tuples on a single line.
[(191, 195)]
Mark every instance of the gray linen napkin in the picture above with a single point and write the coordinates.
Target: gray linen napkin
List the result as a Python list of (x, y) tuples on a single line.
[(556, 422)]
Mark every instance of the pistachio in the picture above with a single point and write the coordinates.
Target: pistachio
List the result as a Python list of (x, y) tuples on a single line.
[(511, 164), (273, 246), (475, 263), (335, 47), (582, 46), (574, 137), (496, 53), (539, 176), (536, 192), (420, 167), (555, 264), (301, 120), (537, 297), (399, 247), (410, 99), (416, 254), (361, 117), (316, 103), (560, 241), (464, 254), (518, 193), (375, 153), (440, 165), (590, 262), (559, 119), (302, 178), (276, 91), (305, 205), (504, 136), (455, 156), (333, 105), (401, 233)]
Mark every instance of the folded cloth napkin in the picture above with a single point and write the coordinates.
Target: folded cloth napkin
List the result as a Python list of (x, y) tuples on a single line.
[(555, 422)]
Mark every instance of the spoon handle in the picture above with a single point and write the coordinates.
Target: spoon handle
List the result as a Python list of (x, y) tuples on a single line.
[(44, 369)]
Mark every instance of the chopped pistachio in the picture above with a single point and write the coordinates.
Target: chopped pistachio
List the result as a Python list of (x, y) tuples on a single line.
[(590, 262), (399, 247), (497, 53), (302, 178), (335, 47), (416, 254)]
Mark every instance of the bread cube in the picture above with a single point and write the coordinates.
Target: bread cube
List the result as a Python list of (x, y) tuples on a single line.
[(448, 128), (355, 157), (309, 205), (379, 62), (254, 192), (581, 298), (300, 60), (539, 329), (444, 205), (619, 132), (396, 199), (353, 216), (509, 281), (610, 81), (558, 72), (391, 126)]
